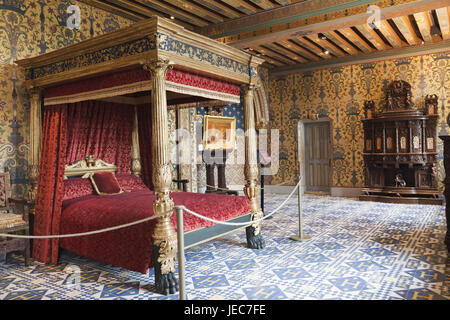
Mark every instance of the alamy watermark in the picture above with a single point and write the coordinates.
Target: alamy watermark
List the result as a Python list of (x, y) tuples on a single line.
[(73, 281), (74, 19), (187, 150), (374, 20)]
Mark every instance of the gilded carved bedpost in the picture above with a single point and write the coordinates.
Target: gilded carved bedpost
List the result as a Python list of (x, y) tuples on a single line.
[(164, 235), (136, 167), (251, 171), (35, 143)]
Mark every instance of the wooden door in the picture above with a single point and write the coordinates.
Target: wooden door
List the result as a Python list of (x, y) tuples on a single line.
[(317, 156)]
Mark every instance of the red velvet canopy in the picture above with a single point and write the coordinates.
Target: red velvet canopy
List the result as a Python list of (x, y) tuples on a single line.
[(134, 80)]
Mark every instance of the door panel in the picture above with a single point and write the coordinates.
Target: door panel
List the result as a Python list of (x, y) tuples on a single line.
[(317, 140)]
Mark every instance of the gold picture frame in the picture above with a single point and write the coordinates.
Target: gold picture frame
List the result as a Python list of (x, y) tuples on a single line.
[(219, 133)]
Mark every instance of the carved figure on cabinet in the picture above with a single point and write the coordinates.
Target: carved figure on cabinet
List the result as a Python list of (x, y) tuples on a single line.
[(399, 96), (431, 104), (369, 108)]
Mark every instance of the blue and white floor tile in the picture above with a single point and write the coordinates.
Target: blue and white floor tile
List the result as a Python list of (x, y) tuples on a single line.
[(358, 251)]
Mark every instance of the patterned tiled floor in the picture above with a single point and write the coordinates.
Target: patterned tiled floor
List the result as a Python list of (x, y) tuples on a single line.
[(358, 251)]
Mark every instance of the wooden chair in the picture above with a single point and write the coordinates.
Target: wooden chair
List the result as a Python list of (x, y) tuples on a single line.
[(11, 222)]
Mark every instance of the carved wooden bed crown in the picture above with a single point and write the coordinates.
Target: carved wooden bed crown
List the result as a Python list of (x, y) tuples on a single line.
[(84, 168)]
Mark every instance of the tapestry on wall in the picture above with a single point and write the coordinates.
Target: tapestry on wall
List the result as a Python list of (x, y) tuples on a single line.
[(30, 28)]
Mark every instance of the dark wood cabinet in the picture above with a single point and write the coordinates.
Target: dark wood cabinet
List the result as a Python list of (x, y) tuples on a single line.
[(400, 154)]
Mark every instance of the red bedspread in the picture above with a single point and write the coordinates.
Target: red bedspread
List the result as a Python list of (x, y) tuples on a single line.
[(131, 248)]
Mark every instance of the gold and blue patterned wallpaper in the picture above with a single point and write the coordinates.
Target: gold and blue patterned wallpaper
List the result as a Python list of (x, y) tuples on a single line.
[(29, 28), (339, 93)]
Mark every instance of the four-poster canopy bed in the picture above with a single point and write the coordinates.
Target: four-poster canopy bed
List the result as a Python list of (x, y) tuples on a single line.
[(81, 95)]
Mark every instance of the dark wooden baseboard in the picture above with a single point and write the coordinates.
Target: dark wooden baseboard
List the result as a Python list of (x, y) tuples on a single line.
[(403, 200)]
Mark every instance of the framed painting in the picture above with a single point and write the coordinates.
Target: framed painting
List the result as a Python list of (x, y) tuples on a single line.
[(219, 133)]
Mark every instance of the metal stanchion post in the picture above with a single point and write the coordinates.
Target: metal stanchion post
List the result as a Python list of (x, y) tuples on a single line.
[(181, 259), (262, 191), (300, 236)]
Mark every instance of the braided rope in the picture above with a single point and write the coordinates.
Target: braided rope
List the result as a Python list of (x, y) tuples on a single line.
[(151, 218)]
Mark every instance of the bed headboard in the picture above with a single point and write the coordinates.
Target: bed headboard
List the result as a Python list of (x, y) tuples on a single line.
[(84, 168)]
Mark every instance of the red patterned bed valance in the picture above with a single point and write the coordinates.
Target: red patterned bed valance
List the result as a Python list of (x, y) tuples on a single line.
[(136, 80)]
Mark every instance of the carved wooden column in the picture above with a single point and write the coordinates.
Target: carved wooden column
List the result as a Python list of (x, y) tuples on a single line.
[(251, 170), (164, 235), (35, 143), (136, 167)]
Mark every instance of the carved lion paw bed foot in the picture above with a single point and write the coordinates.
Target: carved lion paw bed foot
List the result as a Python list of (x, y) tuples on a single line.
[(254, 241), (166, 284)]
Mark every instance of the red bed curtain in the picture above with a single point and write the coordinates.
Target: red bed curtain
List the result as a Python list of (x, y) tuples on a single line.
[(70, 133), (51, 183), (145, 143), (101, 129)]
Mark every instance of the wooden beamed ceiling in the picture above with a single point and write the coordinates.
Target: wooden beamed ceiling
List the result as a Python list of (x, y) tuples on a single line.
[(298, 32)]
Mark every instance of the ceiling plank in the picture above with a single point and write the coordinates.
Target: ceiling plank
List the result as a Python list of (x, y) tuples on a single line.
[(242, 6), (443, 15), (283, 2), (308, 45), (220, 8), (191, 7), (356, 40), (113, 9), (271, 61), (372, 36), (146, 11), (404, 25), (290, 54), (268, 59), (423, 21), (178, 14), (271, 52), (389, 33), (133, 7), (296, 47), (264, 4), (327, 45), (343, 43)]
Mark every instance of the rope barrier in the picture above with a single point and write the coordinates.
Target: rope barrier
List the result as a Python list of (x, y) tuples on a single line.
[(7, 235), (151, 218), (243, 223), (272, 185)]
